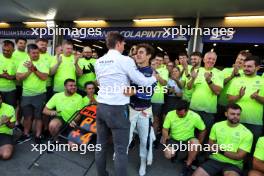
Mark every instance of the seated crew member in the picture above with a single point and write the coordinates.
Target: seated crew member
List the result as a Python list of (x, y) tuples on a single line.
[(7, 123), (230, 141), (66, 104), (182, 123)]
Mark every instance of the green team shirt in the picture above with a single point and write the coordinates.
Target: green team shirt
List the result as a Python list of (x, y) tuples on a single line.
[(87, 66), (259, 150), (234, 138), (86, 100), (222, 99), (158, 96), (19, 56), (48, 59), (182, 129), (33, 85), (203, 99), (187, 94), (8, 65), (9, 111), (65, 70), (248, 104), (65, 105)]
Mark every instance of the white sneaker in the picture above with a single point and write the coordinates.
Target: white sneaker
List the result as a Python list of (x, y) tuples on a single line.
[(142, 169)]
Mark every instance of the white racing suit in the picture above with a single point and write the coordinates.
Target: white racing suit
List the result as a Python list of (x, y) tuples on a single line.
[(141, 123)]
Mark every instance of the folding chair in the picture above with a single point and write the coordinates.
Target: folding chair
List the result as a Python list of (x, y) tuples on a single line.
[(81, 134)]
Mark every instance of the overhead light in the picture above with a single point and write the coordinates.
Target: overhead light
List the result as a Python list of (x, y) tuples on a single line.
[(244, 17), (77, 40), (256, 45), (96, 46), (153, 19), (89, 21), (50, 24), (214, 44), (159, 48), (4, 25), (35, 24), (78, 45), (212, 50)]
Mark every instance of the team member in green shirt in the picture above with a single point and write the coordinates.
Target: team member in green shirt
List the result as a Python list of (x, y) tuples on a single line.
[(206, 83), (63, 105), (64, 67), (86, 65), (7, 123), (196, 59), (8, 73), (90, 97), (229, 142), (20, 55), (33, 73), (229, 75), (48, 59), (258, 160), (182, 123), (248, 92), (157, 99)]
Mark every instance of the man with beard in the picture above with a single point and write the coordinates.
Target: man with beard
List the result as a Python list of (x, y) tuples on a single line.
[(86, 65), (63, 105), (248, 92), (229, 142), (229, 75), (20, 55), (33, 73), (46, 57), (65, 66), (8, 73), (196, 59)]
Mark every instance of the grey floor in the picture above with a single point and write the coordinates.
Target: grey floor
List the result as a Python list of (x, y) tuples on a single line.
[(73, 163)]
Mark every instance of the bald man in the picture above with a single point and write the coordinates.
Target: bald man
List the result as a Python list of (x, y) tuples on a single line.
[(86, 65)]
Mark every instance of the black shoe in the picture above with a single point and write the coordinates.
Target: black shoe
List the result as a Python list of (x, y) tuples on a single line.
[(38, 140), (24, 138), (46, 135), (186, 170)]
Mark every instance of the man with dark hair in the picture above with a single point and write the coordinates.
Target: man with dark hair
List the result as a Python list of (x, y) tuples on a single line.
[(178, 128), (196, 59), (157, 100), (20, 55), (90, 97), (33, 73), (140, 112), (229, 142), (248, 92), (231, 73), (113, 72), (64, 66), (62, 106), (48, 59), (7, 123), (8, 73)]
